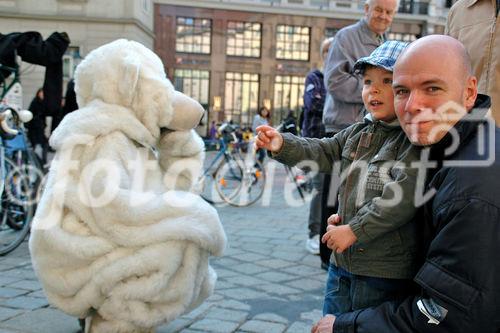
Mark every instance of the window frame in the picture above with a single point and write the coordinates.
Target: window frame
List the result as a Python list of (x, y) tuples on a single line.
[(290, 42), (193, 28), (230, 111), (243, 46)]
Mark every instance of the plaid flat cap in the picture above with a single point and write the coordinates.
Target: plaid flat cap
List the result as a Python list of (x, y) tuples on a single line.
[(384, 56)]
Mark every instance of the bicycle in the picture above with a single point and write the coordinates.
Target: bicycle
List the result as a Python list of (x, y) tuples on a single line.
[(238, 180), (17, 181), (21, 173), (300, 178)]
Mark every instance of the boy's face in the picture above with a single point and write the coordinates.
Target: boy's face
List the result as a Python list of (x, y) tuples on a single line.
[(378, 96)]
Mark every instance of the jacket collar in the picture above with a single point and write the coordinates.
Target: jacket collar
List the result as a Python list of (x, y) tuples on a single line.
[(368, 35), (393, 124)]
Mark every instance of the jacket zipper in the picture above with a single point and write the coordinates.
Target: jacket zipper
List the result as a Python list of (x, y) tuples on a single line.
[(347, 183)]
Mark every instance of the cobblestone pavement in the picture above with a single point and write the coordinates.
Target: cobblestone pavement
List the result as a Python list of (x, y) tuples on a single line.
[(267, 282)]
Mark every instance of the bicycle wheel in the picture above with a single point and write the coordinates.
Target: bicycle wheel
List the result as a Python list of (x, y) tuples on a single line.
[(240, 183), (22, 188), (17, 211), (207, 190), (228, 177)]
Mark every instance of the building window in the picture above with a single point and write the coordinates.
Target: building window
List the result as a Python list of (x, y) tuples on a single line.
[(70, 59), (413, 7), (145, 5), (241, 98), (193, 35), (288, 94), (194, 83), (319, 3), (404, 37), (292, 42), (330, 32), (243, 39)]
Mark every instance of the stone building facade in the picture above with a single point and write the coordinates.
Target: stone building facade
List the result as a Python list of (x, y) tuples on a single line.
[(233, 56)]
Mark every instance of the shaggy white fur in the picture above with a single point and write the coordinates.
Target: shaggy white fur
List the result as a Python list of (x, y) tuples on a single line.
[(117, 237)]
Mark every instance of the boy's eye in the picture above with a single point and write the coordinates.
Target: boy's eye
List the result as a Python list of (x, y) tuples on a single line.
[(367, 81), (387, 81)]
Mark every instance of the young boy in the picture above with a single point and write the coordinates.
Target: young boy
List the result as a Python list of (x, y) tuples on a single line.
[(375, 245)]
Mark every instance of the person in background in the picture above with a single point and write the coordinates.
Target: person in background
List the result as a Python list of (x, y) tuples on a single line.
[(212, 132), (476, 24), (289, 124), (312, 127), (70, 103), (261, 118), (343, 103), (36, 127), (57, 116)]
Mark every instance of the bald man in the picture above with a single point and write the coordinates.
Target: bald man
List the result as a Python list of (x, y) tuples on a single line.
[(439, 108)]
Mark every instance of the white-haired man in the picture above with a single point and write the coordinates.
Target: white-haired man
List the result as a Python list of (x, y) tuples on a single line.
[(343, 105)]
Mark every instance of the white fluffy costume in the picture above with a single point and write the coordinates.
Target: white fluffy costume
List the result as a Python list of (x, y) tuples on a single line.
[(118, 238)]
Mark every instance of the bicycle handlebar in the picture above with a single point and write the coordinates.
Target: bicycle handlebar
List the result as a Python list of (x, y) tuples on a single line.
[(228, 129), (8, 113)]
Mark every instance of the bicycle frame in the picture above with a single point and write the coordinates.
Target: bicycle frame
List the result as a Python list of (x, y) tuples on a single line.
[(3, 80)]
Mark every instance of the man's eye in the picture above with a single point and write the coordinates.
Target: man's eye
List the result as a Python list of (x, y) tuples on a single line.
[(401, 92), (433, 89)]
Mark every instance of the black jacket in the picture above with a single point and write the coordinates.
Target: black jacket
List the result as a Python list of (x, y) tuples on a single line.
[(36, 126), (31, 47), (314, 100), (460, 275)]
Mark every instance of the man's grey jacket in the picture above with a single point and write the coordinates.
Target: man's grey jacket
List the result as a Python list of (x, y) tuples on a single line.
[(343, 105)]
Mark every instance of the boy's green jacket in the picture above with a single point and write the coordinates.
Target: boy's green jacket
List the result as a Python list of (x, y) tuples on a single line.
[(372, 162)]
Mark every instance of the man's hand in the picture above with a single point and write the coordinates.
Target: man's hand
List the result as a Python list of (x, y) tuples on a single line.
[(324, 325), (268, 138), (339, 238)]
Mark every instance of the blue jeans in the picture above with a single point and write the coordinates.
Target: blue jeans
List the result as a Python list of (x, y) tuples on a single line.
[(347, 292)]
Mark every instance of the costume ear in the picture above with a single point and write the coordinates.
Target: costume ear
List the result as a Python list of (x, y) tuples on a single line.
[(129, 79)]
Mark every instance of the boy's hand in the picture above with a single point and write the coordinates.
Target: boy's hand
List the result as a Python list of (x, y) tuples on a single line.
[(334, 219), (268, 138), (339, 238)]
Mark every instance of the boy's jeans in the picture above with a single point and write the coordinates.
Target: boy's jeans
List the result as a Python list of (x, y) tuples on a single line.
[(347, 292)]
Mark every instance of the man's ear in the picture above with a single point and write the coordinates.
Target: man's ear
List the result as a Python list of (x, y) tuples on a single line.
[(129, 79), (470, 92), (366, 7)]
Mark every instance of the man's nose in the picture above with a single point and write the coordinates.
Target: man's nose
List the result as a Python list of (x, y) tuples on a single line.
[(414, 103)]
